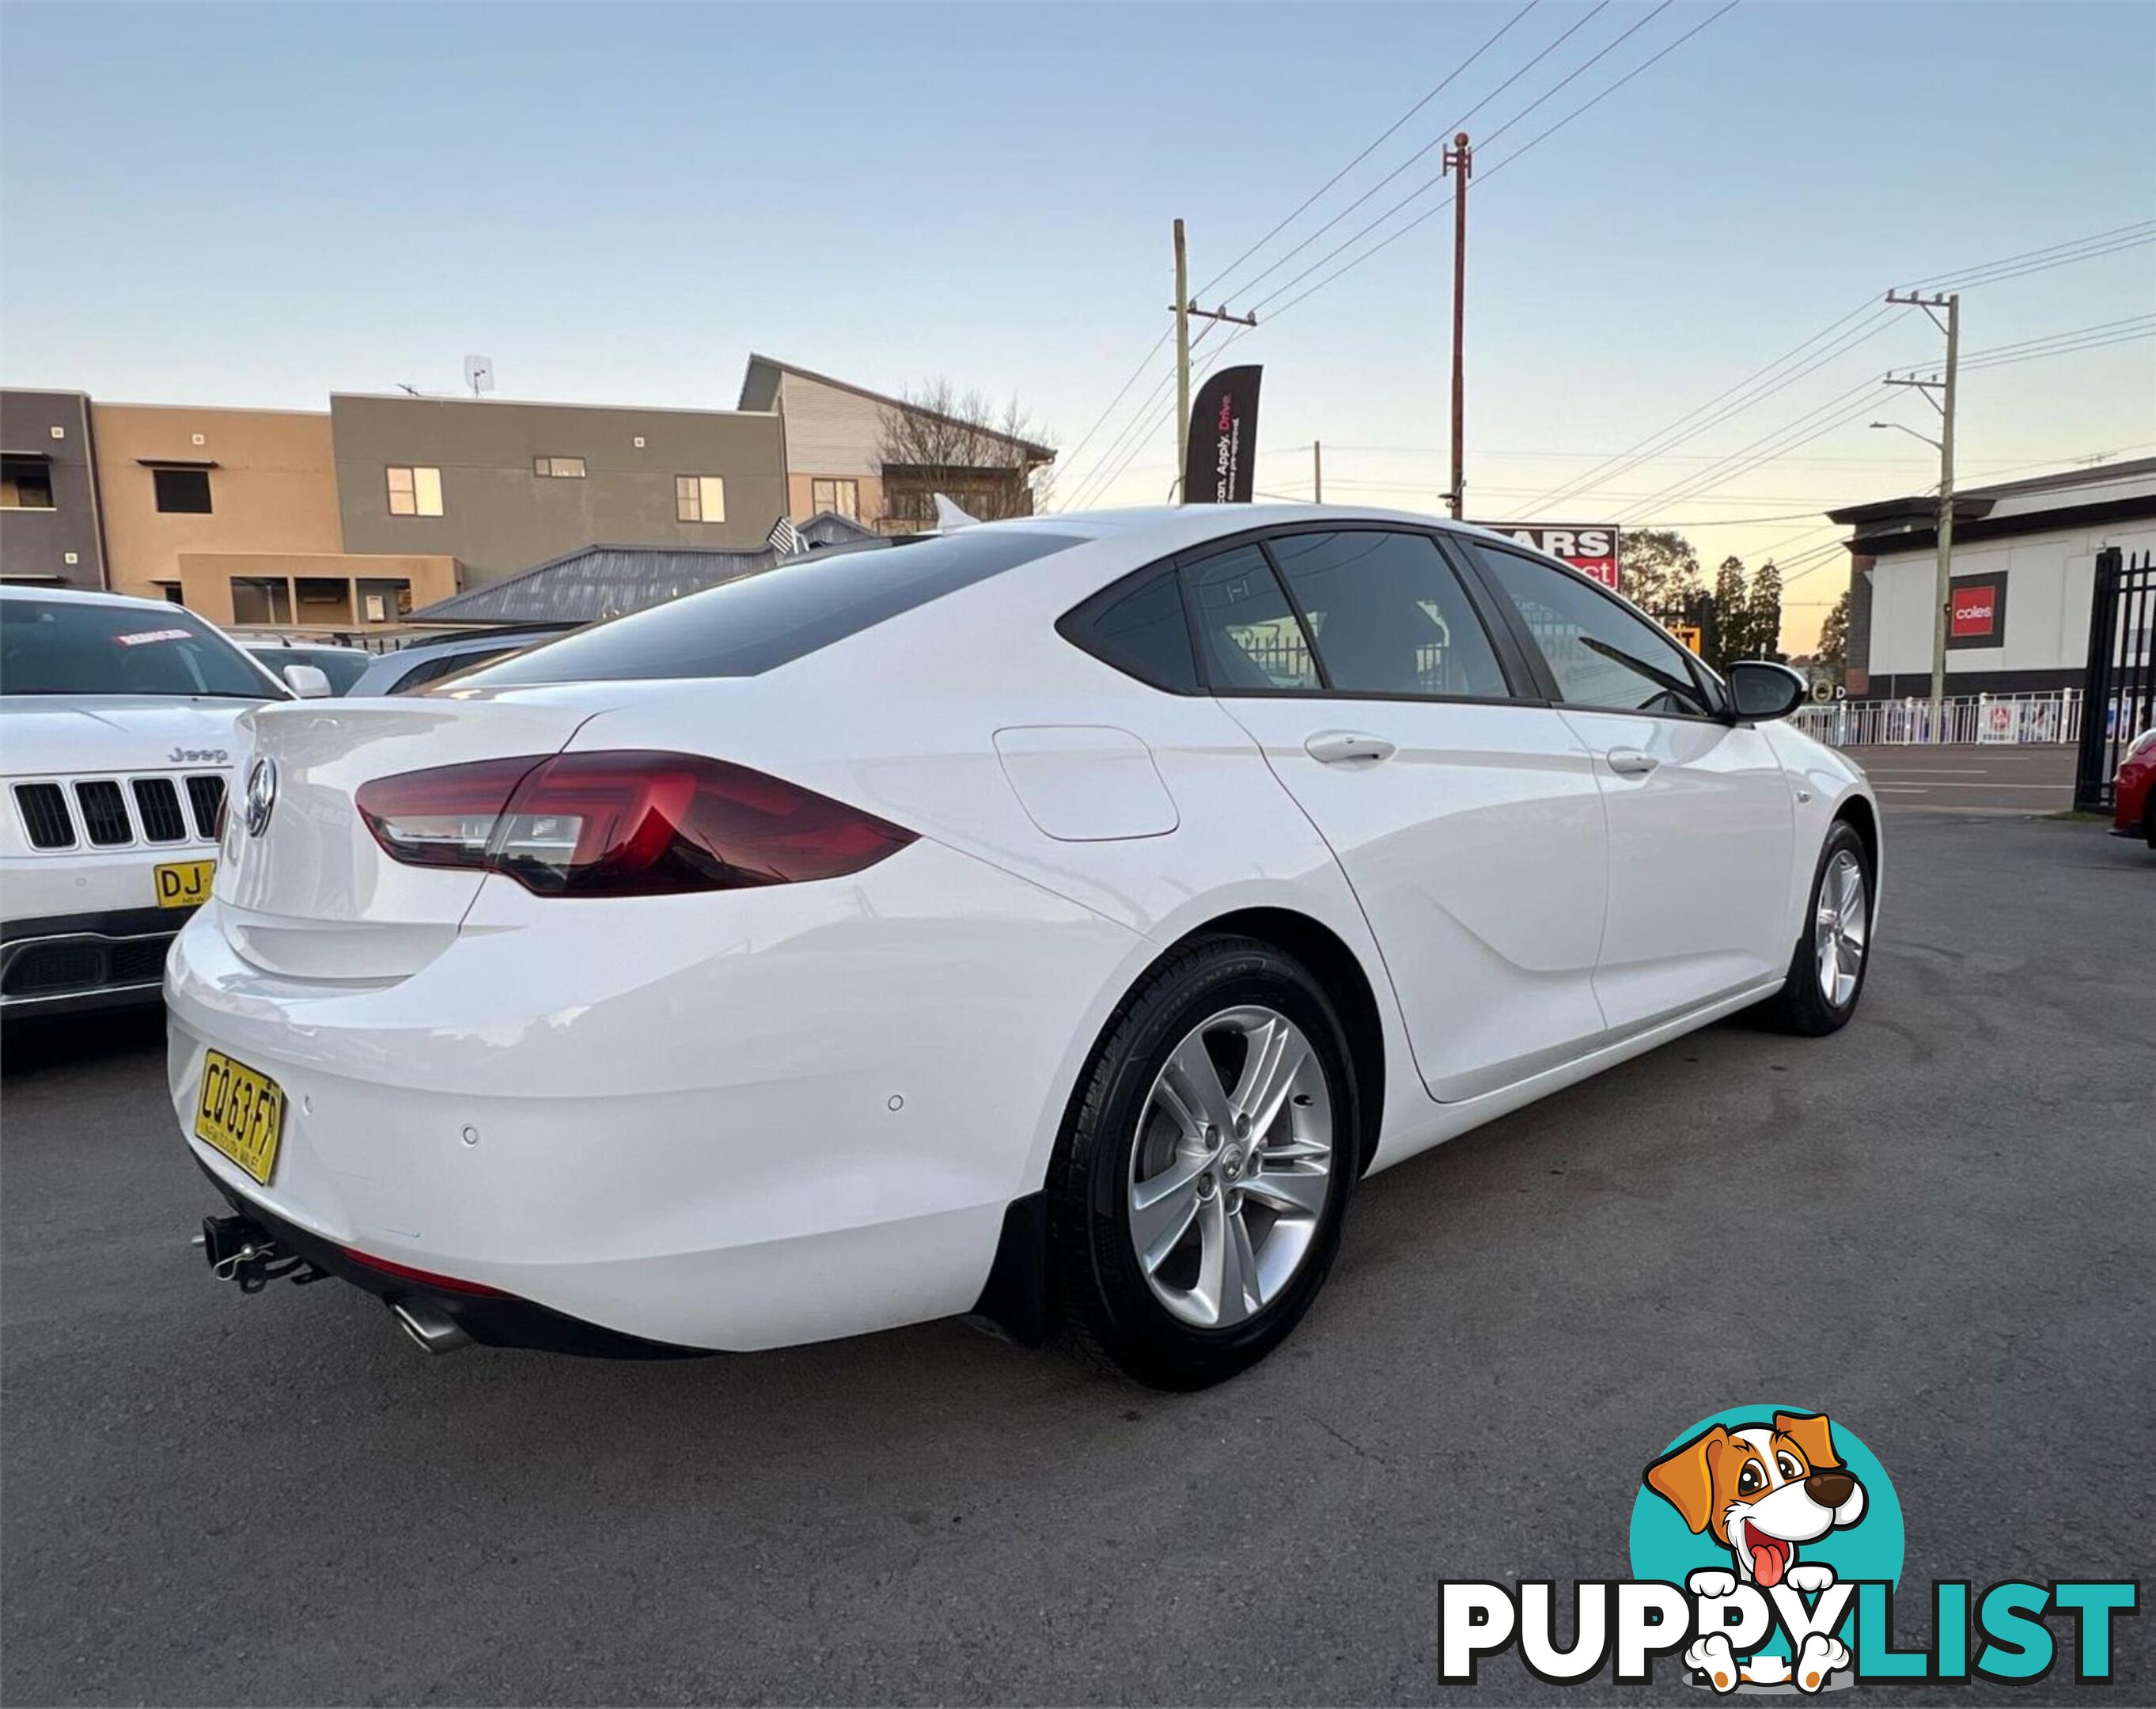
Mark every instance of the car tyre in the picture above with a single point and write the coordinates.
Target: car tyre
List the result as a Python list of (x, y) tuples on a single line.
[(1814, 1000), (1133, 1123)]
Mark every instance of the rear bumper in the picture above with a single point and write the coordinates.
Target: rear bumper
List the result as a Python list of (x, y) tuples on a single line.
[(63, 963), (723, 1122), (2135, 787), (489, 1319)]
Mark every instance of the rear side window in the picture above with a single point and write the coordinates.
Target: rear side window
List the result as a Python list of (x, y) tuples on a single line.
[(762, 621), (1389, 615), (1138, 626), (1252, 639)]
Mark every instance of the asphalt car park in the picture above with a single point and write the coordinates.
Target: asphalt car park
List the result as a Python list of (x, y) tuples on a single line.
[(1938, 1222), (2013, 781)]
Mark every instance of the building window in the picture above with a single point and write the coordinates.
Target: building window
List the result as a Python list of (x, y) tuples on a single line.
[(414, 491), (700, 498), (560, 468), (323, 601), (844, 497), (259, 600), (26, 484), (183, 490)]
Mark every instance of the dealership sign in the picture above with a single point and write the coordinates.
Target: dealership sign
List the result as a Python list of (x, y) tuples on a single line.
[(1588, 548)]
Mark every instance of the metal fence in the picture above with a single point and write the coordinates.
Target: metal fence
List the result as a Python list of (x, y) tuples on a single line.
[(2011, 720), (2122, 673)]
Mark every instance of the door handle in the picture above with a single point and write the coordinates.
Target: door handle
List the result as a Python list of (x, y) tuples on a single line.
[(1630, 761), (1334, 747)]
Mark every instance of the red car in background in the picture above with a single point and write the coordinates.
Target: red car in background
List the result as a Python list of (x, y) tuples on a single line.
[(2135, 793)]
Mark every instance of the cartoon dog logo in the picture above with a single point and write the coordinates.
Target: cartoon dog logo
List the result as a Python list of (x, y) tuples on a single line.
[(1762, 1493)]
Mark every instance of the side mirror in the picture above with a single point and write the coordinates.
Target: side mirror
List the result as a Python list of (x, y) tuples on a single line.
[(308, 682), (1764, 690)]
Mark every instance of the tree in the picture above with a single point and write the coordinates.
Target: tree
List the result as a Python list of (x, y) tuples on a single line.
[(1658, 570), (1730, 635), (986, 457), (1833, 652), (1764, 609)]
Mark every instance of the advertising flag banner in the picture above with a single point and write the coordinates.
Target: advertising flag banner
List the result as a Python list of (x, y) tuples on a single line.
[(1223, 440)]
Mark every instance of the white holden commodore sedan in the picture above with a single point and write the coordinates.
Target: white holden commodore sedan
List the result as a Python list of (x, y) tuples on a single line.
[(1053, 921), (116, 740)]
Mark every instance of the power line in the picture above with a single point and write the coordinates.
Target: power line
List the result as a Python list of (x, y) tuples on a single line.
[(1438, 208), (1105, 477), (1762, 449), (2087, 248), (1849, 461), (1944, 280), (1651, 448), (1748, 392), (1251, 283), (1585, 65), (1597, 101), (2027, 355), (1086, 484), (1438, 89), (1091, 484), (1143, 361), (2140, 320), (1388, 132)]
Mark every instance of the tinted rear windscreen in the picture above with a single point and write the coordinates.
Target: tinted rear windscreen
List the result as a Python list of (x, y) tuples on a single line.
[(745, 628)]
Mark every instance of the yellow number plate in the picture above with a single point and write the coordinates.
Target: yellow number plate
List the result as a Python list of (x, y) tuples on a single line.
[(185, 884), (240, 1113)]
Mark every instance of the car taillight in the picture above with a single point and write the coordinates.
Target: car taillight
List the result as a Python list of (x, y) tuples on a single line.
[(622, 824)]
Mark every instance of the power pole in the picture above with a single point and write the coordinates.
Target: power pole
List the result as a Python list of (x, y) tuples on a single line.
[(1317, 472), (1181, 360), (1945, 404), (1185, 309), (1459, 161)]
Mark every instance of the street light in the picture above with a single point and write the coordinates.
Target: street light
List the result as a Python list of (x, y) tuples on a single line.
[(1910, 431)]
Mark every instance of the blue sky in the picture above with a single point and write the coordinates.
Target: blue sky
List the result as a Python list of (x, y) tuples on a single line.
[(257, 205)]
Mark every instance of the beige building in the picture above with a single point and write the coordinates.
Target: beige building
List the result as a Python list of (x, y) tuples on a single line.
[(834, 444), (233, 513), (357, 516)]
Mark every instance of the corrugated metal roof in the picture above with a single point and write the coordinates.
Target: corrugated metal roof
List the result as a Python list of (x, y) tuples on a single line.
[(598, 582)]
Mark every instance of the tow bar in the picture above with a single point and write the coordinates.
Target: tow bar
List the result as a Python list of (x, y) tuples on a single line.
[(243, 1251)]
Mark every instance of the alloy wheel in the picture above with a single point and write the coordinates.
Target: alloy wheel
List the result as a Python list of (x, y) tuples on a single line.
[(1840, 929), (1233, 1163)]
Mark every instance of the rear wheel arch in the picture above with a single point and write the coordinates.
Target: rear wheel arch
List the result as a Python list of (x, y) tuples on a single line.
[(1015, 1297), (1340, 971)]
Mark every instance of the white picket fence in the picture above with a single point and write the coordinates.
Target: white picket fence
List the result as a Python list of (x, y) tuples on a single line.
[(2006, 719)]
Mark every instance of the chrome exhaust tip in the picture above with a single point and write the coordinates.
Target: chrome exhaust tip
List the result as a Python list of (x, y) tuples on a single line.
[(431, 1329)]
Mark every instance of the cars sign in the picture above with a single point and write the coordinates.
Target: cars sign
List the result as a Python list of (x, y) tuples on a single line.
[(1590, 548)]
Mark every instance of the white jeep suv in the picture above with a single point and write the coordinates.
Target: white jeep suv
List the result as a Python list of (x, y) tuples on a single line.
[(116, 746)]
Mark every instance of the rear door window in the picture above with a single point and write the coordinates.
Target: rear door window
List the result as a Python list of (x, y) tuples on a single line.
[(1389, 615), (770, 618), (1247, 629)]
